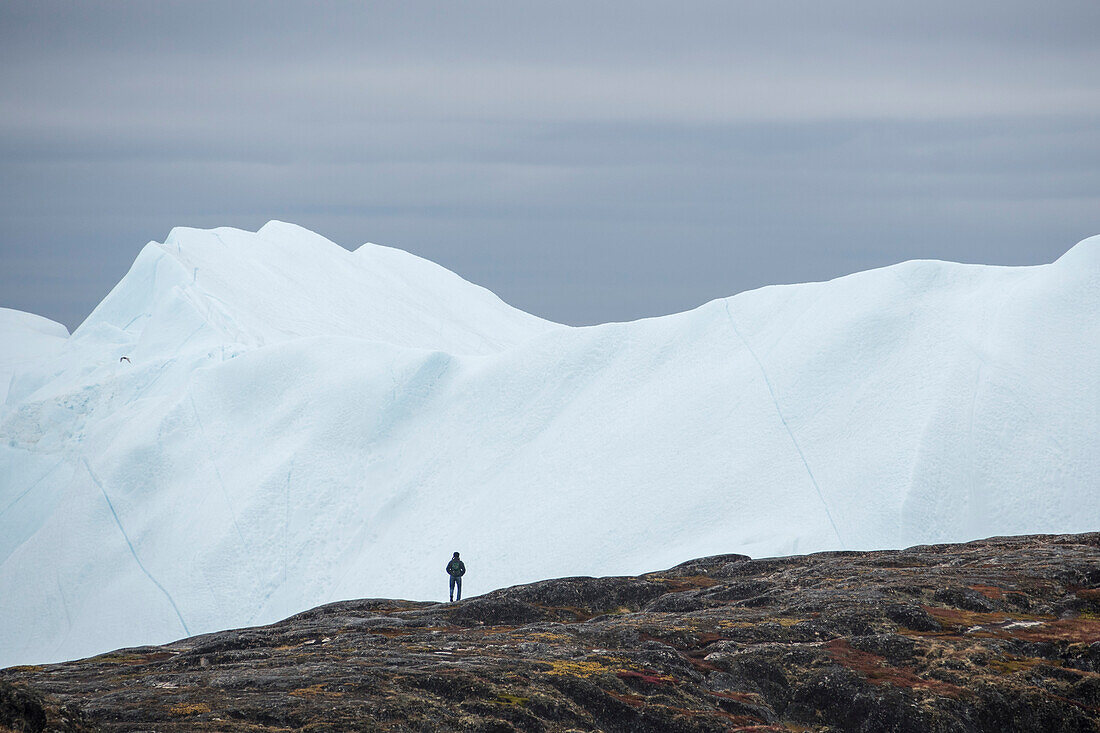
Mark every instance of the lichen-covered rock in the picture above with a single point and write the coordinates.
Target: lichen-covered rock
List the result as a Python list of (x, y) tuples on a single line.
[(21, 709), (996, 635)]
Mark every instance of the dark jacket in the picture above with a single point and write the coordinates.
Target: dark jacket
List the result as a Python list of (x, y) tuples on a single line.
[(456, 568)]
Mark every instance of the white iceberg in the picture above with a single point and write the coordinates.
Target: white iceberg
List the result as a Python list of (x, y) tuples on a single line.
[(294, 424)]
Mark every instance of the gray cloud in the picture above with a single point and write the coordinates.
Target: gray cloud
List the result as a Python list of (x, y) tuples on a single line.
[(587, 161)]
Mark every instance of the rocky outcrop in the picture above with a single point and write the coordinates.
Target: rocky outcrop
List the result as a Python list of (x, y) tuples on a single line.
[(995, 635)]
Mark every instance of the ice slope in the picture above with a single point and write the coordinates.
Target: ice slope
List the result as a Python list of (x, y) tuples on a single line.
[(299, 425), (25, 339)]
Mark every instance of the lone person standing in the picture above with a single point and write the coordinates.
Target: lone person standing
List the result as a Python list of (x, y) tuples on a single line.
[(456, 569)]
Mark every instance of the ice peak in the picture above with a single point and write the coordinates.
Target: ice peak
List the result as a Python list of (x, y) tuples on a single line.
[(276, 226), (227, 285)]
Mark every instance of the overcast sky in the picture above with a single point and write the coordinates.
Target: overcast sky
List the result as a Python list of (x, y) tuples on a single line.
[(587, 161)]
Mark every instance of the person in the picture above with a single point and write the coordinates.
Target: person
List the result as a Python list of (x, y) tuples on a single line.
[(456, 569)]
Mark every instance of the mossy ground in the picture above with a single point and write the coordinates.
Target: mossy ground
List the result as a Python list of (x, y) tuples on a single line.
[(996, 635)]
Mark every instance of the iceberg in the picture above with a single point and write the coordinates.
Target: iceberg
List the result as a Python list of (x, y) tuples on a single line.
[(253, 424)]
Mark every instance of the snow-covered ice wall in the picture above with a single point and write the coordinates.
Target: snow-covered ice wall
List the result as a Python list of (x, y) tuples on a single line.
[(297, 424)]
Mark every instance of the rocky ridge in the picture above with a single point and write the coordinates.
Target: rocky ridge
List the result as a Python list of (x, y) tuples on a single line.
[(1000, 634)]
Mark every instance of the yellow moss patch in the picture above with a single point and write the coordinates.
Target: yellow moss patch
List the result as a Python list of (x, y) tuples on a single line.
[(688, 582), (597, 665), (568, 668), (506, 699), (184, 708), (788, 622), (315, 691), (27, 668)]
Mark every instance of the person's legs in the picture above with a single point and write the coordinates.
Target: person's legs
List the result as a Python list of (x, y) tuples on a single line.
[(458, 585), (451, 593)]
